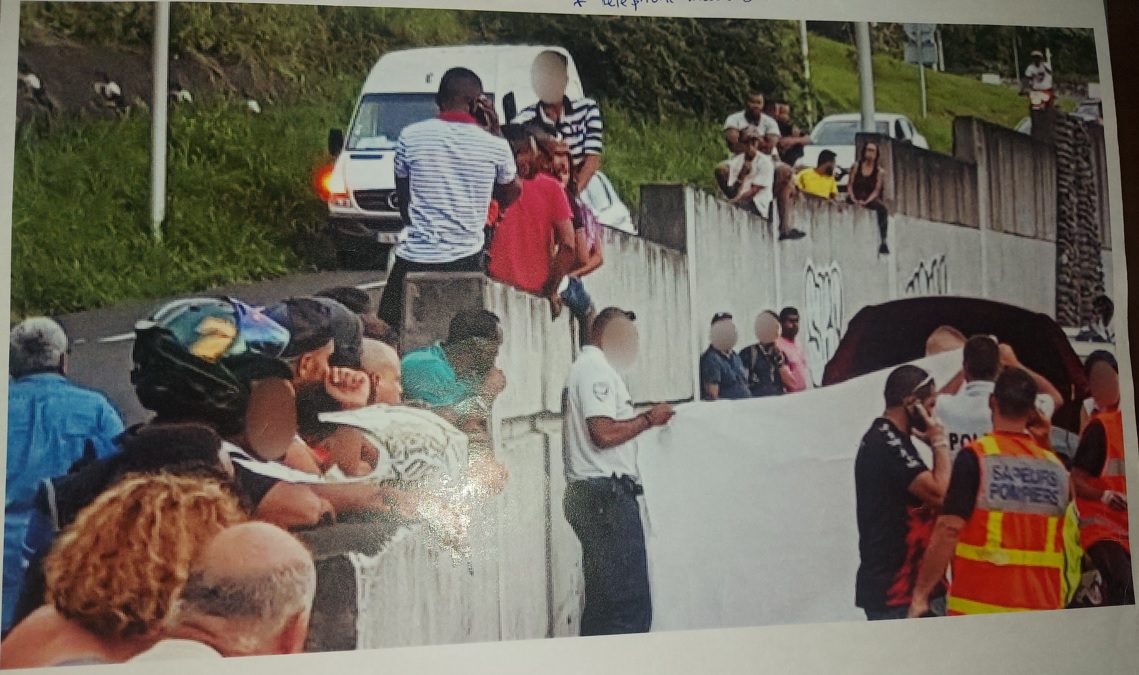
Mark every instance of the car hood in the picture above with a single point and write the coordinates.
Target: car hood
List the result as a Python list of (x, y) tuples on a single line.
[(369, 169)]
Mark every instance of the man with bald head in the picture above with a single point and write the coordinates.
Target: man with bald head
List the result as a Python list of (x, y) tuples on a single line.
[(249, 593), (381, 362)]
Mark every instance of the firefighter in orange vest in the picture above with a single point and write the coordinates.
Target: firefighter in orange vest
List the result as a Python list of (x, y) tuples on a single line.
[(1007, 523), (1101, 486)]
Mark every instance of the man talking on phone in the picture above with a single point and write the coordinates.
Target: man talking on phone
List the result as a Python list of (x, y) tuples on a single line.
[(898, 495), (447, 169)]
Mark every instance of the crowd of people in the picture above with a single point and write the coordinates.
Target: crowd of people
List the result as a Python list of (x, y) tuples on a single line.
[(773, 366), (1001, 521), (134, 543), (763, 175), (128, 543)]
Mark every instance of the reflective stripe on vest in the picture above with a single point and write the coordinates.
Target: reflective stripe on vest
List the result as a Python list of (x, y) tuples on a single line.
[(1020, 489), (1098, 521)]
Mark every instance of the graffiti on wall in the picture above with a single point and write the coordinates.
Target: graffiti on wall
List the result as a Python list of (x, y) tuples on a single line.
[(930, 277), (822, 315)]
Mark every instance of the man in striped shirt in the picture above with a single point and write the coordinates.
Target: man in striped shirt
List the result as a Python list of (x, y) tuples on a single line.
[(577, 122), (447, 169)]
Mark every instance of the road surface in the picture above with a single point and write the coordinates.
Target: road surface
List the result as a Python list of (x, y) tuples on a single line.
[(102, 339)]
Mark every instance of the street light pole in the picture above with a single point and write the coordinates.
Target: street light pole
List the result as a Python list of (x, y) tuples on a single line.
[(159, 109), (865, 75), (807, 72)]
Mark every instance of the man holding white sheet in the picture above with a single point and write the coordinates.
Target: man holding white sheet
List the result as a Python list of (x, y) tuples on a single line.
[(601, 430)]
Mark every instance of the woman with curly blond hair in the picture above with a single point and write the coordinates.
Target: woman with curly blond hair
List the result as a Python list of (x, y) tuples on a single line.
[(115, 572)]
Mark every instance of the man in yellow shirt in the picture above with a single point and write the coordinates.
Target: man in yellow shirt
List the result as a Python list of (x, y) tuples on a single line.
[(819, 181)]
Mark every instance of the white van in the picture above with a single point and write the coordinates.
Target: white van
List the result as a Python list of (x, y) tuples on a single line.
[(363, 208)]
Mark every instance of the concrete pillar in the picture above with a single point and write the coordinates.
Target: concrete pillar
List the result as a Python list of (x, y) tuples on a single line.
[(662, 217), (431, 300)]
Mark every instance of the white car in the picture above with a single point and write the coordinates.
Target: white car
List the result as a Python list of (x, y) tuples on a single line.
[(837, 134)]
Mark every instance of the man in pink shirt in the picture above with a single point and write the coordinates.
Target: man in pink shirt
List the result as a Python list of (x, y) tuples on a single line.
[(797, 363)]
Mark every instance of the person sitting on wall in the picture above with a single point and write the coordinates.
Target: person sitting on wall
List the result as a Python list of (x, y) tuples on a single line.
[(722, 373), (865, 189), (747, 177), (534, 245), (782, 189), (819, 181)]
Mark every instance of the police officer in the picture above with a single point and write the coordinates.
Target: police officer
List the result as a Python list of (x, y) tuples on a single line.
[(602, 482), (1006, 522)]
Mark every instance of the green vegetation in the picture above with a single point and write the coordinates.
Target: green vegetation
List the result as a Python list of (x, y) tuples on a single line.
[(897, 89), (241, 207), (242, 204)]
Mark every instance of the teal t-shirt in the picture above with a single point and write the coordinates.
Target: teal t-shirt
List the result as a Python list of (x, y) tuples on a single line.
[(429, 377)]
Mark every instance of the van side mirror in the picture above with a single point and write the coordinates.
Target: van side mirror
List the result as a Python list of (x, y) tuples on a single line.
[(335, 141)]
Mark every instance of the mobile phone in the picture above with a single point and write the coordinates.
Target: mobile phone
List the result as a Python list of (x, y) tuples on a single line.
[(918, 420)]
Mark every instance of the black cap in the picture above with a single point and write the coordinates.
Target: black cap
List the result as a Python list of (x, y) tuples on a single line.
[(348, 334), (308, 321), (473, 323), (721, 316)]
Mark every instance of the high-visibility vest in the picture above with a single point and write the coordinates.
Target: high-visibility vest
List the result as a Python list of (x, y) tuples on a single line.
[(1098, 521), (1011, 552)]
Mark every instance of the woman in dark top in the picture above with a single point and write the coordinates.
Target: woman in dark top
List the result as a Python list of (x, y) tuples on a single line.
[(866, 189)]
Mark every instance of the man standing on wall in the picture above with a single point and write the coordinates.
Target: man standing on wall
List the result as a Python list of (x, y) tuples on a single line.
[(447, 169), (600, 452), (577, 122)]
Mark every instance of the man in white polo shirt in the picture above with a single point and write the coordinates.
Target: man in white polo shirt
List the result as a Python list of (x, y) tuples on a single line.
[(447, 169), (600, 452), (966, 414)]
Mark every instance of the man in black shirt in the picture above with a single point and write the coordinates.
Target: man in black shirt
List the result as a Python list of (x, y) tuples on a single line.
[(897, 494)]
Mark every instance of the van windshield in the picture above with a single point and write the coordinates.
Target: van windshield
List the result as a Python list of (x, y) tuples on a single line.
[(381, 118), (836, 132)]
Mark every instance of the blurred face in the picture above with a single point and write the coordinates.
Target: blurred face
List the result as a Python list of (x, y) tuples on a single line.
[(1103, 382), (791, 326), (783, 113), (755, 105), (724, 335), (620, 343), (549, 77)]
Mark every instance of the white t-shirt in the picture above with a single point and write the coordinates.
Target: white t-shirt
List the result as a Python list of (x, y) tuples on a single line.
[(967, 416), (767, 126), (177, 649), (1040, 76), (762, 174), (596, 389)]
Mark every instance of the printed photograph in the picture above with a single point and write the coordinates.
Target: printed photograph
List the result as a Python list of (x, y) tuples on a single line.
[(338, 328)]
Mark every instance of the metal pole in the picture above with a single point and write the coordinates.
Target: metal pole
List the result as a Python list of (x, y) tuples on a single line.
[(865, 75), (1016, 76), (159, 103), (921, 75), (807, 72)]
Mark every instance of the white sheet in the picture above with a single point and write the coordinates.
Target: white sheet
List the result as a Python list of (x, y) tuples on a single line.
[(750, 506)]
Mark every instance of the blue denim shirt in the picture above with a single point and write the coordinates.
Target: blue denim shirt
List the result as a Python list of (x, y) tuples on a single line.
[(49, 422)]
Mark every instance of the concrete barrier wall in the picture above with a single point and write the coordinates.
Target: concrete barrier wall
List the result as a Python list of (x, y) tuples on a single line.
[(926, 184), (524, 580)]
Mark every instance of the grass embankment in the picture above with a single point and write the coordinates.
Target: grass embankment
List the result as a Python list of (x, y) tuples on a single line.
[(242, 205)]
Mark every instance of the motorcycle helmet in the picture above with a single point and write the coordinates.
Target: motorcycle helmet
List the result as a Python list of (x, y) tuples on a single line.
[(195, 360)]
